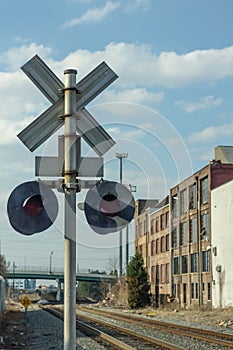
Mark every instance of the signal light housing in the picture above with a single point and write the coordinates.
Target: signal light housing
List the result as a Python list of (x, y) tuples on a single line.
[(109, 207), (32, 207)]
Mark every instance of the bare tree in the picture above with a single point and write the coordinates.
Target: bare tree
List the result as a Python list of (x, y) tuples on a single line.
[(3, 266), (113, 265)]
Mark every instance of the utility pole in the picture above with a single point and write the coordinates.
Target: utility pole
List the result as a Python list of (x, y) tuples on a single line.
[(132, 189), (120, 156)]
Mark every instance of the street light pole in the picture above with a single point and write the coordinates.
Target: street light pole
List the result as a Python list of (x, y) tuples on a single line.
[(50, 262), (120, 156), (14, 267)]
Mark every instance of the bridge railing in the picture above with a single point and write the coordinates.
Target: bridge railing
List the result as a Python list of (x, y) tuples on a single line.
[(46, 269)]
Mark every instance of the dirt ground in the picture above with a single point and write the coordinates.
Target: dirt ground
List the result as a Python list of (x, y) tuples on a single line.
[(12, 327), (215, 317)]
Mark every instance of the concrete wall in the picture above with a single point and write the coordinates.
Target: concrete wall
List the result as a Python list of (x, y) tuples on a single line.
[(222, 245)]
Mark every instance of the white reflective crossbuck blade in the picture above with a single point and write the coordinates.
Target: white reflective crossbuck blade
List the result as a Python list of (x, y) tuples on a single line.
[(49, 122)]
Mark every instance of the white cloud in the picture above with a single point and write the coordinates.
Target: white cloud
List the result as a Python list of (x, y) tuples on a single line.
[(212, 133), (132, 5), (204, 103), (94, 14), (15, 57), (136, 77), (10, 130), (139, 96), (138, 65)]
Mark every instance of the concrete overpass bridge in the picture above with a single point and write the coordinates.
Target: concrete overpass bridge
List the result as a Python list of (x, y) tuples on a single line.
[(36, 273), (43, 273)]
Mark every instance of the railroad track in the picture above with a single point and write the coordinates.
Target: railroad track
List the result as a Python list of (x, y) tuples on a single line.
[(217, 338), (114, 336)]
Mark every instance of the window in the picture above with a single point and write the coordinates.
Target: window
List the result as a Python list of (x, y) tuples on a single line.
[(205, 226), (174, 205), (153, 247), (167, 242), (192, 290), (176, 265), (157, 275), (197, 290), (140, 249), (157, 224), (162, 222), (163, 244), (193, 258), (163, 273), (152, 228), (153, 274), (184, 263), (174, 237), (209, 291), (167, 273), (183, 202), (206, 261), (204, 190), (193, 196), (167, 219), (193, 230), (157, 246), (183, 233)]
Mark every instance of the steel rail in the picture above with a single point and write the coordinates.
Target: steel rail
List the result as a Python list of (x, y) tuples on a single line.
[(87, 329), (191, 332), (146, 338), (112, 340)]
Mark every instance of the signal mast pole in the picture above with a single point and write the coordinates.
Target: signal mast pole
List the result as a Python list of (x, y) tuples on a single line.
[(70, 187), (120, 156)]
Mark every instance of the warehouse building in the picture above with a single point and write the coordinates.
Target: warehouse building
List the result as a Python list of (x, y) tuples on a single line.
[(186, 240)]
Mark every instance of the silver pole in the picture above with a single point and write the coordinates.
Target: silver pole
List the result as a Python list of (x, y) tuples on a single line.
[(120, 156), (70, 210), (120, 234), (50, 262), (127, 247)]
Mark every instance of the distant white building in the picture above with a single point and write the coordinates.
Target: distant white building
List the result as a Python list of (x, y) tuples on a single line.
[(22, 283), (222, 245)]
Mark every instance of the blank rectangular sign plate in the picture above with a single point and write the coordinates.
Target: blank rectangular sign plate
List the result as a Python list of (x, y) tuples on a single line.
[(53, 167)]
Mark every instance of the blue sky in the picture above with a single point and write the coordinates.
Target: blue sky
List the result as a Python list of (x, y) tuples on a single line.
[(169, 108)]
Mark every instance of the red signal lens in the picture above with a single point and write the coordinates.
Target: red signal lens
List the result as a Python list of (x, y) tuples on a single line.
[(33, 206), (109, 205)]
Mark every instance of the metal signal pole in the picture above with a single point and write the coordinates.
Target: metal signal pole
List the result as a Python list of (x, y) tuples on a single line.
[(120, 156), (70, 188)]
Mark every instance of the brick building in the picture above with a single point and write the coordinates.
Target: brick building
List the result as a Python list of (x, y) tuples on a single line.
[(175, 237)]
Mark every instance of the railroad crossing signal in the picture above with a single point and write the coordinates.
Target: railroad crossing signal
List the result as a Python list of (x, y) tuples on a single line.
[(26, 301), (68, 102)]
